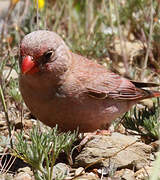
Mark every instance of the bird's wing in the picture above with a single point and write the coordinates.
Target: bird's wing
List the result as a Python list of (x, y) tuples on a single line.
[(110, 85), (99, 83)]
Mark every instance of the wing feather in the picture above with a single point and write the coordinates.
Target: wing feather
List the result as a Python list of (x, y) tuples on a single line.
[(99, 83), (116, 87)]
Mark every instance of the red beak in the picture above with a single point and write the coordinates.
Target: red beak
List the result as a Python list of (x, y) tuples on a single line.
[(29, 66)]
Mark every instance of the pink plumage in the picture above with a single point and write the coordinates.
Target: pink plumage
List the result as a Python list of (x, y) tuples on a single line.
[(70, 90)]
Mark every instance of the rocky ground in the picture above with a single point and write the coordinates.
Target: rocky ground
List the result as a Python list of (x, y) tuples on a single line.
[(104, 157)]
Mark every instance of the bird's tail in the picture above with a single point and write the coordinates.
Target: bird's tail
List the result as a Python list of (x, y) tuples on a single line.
[(150, 94), (145, 94), (154, 94)]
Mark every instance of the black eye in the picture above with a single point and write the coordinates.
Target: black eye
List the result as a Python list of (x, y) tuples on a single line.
[(45, 58), (48, 54)]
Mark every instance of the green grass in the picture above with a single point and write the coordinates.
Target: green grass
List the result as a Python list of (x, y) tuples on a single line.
[(42, 149)]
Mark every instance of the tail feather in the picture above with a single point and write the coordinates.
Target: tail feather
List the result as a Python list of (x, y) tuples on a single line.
[(150, 94), (145, 94), (144, 84), (154, 94)]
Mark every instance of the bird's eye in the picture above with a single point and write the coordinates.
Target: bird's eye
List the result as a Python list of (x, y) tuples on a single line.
[(45, 58), (48, 54)]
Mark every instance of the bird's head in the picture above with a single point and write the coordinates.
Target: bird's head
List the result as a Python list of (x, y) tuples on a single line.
[(43, 51)]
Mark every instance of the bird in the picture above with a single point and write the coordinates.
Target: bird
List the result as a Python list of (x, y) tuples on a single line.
[(66, 89)]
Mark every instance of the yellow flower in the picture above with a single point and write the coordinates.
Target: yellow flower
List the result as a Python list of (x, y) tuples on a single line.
[(13, 3), (41, 3)]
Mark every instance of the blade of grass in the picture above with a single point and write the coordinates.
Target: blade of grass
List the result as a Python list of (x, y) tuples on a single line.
[(149, 40), (6, 112)]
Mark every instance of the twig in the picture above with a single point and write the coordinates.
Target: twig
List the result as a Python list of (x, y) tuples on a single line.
[(6, 112), (110, 14), (8, 164), (146, 171), (70, 18), (10, 9), (58, 16), (149, 41), (89, 16), (37, 15), (121, 39), (24, 12)]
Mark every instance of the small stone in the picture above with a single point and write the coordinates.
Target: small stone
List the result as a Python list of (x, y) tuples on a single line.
[(61, 170), (155, 145), (88, 176), (26, 169), (143, 173), (27, 124), (6, 177), (23, 176), (10, 73), (120, 128), (147, 102), (79, 171), (125, 174), (2, 123)]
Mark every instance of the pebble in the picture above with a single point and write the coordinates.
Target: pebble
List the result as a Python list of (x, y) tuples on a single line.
[(79, 171), (23, 176)]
